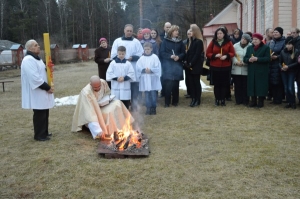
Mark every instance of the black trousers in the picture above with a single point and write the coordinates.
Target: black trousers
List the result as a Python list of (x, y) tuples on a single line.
[(277, 92), (40, 123), (162, 92), (195, 86), (221, 83), (171, 89), (134, 95), (240, 89), (187, 82)]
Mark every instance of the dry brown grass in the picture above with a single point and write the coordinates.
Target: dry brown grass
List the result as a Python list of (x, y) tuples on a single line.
[(205, 152)]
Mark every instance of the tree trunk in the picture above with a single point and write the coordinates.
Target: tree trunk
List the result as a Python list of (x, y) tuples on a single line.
[(47, 16), (2, 15)]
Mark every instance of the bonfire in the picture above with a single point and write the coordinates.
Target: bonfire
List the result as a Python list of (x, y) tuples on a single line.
[(125, 141)]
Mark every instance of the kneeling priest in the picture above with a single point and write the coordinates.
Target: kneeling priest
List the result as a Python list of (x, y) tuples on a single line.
[(101, 120)]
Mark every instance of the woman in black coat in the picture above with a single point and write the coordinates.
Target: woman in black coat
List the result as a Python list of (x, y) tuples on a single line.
[(102, 58), (276, 85), (194, 63)]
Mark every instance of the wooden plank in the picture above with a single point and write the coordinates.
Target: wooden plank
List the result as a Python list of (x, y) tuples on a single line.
[(7, 64), (107, 153), (3, 82)]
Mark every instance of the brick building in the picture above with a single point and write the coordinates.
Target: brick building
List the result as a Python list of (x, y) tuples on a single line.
[(255, 16)]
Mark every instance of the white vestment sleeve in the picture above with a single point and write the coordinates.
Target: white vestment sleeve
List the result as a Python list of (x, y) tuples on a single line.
[(131, 72), (110, 74), (33, 74), (156, 68), (139, 67), (114, 49), (139, 48), (95, 129)]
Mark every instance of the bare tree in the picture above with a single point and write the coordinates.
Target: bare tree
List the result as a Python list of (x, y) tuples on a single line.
[(66, 22), (107, 5), (46, 3), (22, 5), (61, 11), (90, 11), (2, 4)]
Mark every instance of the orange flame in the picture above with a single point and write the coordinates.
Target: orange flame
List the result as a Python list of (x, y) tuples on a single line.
[(127, 133)]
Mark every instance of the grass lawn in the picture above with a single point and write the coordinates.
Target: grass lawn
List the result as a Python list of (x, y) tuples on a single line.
[(203, 152)]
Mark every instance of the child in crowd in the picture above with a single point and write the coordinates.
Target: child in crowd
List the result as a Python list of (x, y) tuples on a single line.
[(120, 72), (147, 38), (149, 72)]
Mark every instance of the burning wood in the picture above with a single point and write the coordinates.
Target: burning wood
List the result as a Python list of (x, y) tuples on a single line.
[(125, 142), (116, 136)]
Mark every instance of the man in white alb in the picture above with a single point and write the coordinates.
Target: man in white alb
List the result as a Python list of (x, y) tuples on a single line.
[(134, 51), (37, 94)]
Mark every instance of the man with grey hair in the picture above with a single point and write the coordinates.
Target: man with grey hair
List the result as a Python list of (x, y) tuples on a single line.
[(167, 26), (295, 34), (134, 50), (37, 94), (268, 36)]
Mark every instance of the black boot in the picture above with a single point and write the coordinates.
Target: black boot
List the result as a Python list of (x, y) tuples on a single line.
[(196, 103), (223, 103), (153, 111), (193, 101), (217, 102), (148, 111), (253, 102), (260, 102)]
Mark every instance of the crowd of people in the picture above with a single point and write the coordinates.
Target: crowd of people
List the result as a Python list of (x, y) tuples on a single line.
[(258, 67), (158, 62)]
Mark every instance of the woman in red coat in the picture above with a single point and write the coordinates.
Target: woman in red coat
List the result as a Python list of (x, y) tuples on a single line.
[(220, 51)]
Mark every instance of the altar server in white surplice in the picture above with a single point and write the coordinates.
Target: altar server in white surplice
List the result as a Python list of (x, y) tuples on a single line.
[(149, 72), (134, 51), (120, 72)]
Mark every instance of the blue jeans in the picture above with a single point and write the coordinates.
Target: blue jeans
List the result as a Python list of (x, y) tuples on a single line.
[(288, 79), (151, 97), (134, 86)]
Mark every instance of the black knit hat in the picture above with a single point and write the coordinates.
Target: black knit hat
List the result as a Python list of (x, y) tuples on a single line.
[(279, 29), (289, 40)]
